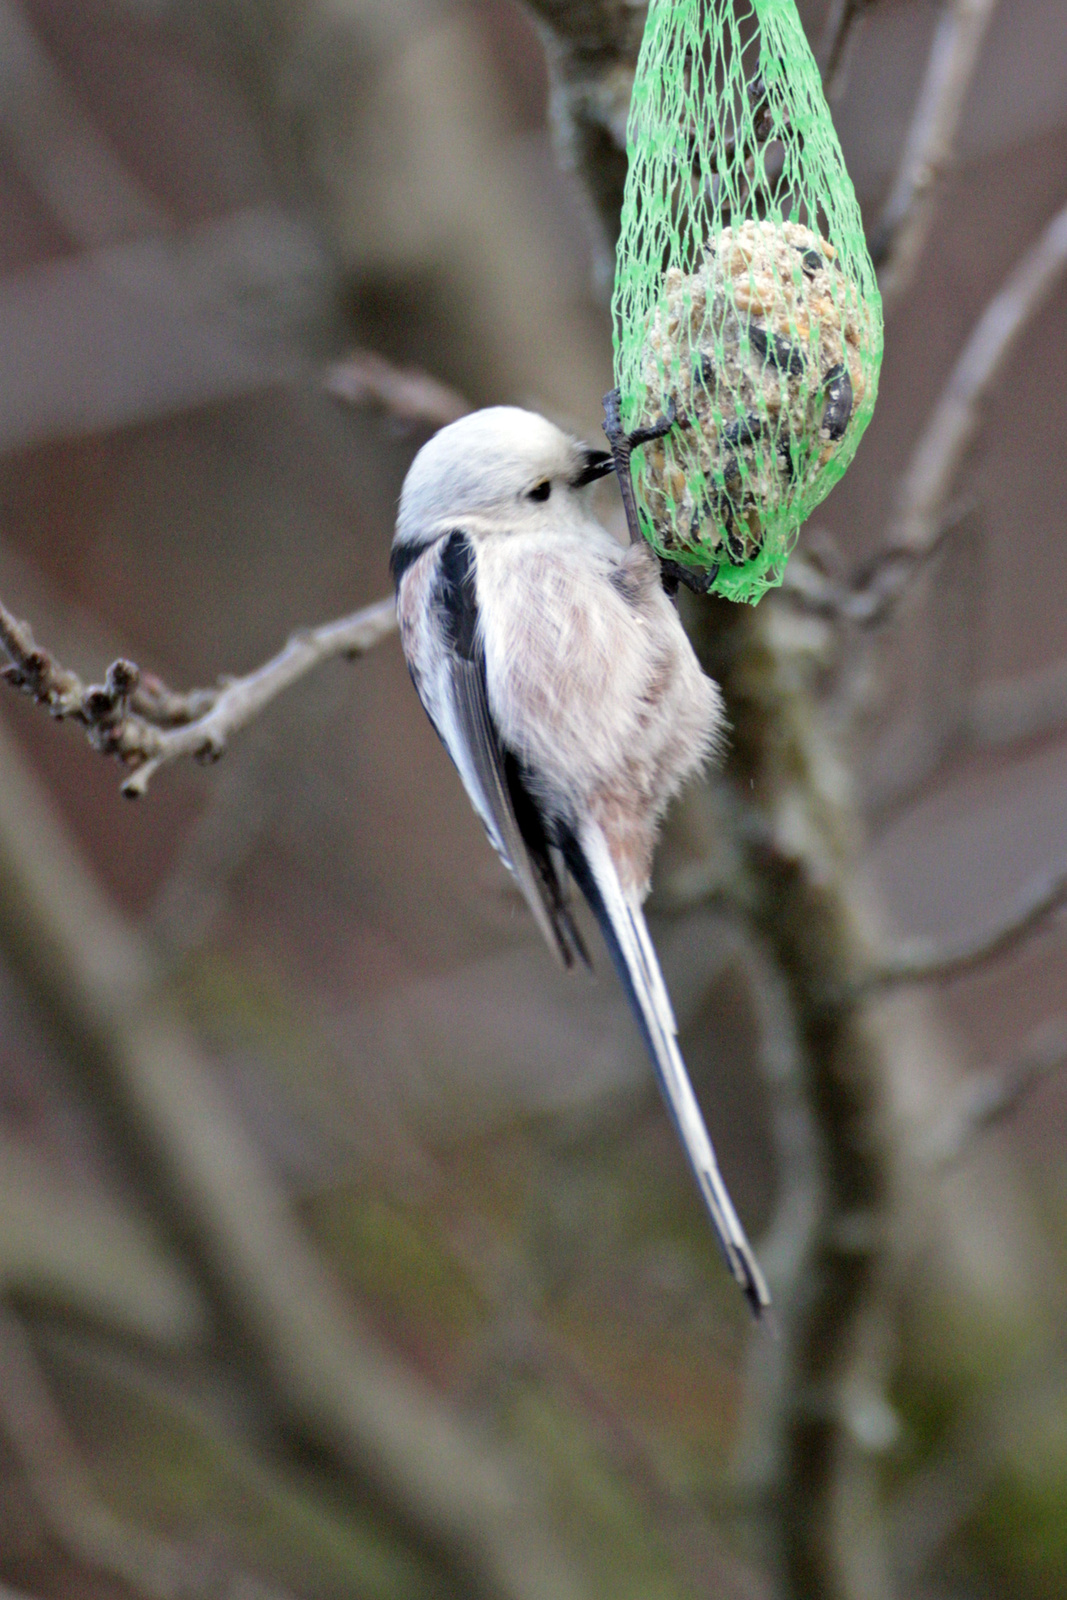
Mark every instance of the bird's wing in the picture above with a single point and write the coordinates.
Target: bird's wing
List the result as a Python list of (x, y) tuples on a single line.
[(623, 926), (491, 773)]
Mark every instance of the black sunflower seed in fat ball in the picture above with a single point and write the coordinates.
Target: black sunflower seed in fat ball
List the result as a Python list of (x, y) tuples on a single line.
[(812, 261), (778, 351), (746, 430), (706, 369), (835, 418), (731, 472)]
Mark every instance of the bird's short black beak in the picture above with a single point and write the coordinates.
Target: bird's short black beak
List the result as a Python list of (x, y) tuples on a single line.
[(598, 463)]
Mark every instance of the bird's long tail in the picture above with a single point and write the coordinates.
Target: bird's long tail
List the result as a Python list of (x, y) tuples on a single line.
[(623, 926)]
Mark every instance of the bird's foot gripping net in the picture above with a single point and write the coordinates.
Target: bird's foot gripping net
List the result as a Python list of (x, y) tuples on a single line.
[(623, 446)]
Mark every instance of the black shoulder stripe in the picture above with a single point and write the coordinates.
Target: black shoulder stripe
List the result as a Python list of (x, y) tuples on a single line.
[(403, 556), (455, 593)]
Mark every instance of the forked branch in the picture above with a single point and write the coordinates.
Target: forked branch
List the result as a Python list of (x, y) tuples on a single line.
[(998, 1094), (134, 716), (878, 587), (924, 514), (926, 961), (33, 1428)]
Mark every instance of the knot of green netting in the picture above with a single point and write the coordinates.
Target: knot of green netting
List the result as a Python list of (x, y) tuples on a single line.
[(744, 295)]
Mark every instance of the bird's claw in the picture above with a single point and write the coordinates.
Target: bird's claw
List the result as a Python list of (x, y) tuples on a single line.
[(655, 430), (672, 573), (623, 445)]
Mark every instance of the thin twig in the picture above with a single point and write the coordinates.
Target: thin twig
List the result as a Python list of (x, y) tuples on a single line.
[(904, 225), (135, 717), (990, 717), (839, 35), (938, 734), (879, 586), (240, 700), (122, 714), (933, 467), (927, 961), (759, 106), (1010, 711), (364, 378), (997, 1094), (924, 517)]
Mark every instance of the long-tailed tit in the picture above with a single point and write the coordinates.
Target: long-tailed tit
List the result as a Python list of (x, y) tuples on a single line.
[(557, 673)]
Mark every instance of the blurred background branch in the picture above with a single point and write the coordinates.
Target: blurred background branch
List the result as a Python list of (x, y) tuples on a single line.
[(841, 28), (332, 1377), (998, 1093), (954, 421), (366, 379), (900, 233), (926, 961), (32, 1424)]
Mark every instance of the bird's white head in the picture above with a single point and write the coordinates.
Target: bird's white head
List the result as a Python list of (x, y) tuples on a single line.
[(501, 465)]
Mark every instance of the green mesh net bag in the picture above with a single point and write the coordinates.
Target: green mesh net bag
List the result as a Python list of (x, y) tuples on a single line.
[(745, 304)]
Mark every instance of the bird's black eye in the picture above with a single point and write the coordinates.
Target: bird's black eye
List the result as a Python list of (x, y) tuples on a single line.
[(540, 491)]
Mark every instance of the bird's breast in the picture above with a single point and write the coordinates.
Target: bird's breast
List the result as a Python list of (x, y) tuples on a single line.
[(591, 678)]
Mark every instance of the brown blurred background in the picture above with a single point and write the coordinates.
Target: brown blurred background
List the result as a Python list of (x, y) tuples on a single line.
[(203, 203)]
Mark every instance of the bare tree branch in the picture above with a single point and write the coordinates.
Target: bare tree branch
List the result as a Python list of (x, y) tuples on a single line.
[(923, 516), (222, 308), (878, 587), (903, 227), (135, 717), (946, 437), (32, 1425), (788, 1244), (240, 700), (987, 717), (60, 149), (74, 1246), (364, 378), (799, 872), (794, 841), (592, 48), (841, 30), (926, 961), (997, 1094), (1030, 707)]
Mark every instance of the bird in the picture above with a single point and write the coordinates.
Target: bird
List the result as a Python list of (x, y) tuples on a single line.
[(554, 667)]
